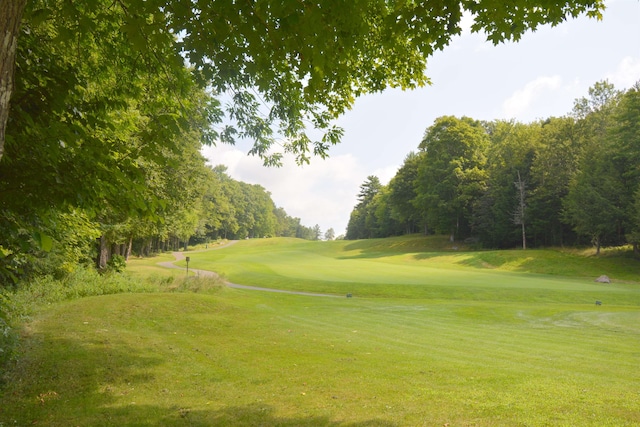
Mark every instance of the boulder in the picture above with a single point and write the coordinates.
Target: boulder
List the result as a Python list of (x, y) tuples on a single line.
[(603, 279)]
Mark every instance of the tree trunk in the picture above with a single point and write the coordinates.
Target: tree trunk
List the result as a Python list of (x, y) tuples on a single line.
[(10, 18), (129, 247), (104, 253)]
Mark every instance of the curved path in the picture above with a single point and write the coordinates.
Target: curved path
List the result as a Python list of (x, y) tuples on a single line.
[(206, 273)]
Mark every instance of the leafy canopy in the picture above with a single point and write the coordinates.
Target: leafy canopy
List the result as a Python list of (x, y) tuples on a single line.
[(288, 65)]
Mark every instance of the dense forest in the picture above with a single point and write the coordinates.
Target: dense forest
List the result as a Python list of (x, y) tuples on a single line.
[(560, 181), (187, 202)]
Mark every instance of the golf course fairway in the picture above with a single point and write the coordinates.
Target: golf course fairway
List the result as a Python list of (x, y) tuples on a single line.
[(432, 336)]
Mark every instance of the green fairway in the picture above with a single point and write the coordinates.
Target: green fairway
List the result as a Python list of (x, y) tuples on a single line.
[(428, 339), (415, 267)]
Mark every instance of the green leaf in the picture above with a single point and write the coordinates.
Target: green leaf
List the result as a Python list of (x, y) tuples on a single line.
[(44, 241)]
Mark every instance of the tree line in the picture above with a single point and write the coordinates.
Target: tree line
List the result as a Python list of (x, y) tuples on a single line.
[(192, 203), (104, 106), (560, 181)]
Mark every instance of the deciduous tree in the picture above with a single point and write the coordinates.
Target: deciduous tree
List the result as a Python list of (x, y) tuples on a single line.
[(306, 60)]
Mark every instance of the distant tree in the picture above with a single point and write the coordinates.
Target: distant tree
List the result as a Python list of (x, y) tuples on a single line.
[(594, 204), (317, 233), (451, 174), (519, 215), (362, 219), (634, 234), (510, 152), (553, 167), (329, 234), (403, 193), (625, 133)]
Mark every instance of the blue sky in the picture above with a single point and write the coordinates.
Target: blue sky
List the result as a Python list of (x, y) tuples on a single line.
[(538, 77)]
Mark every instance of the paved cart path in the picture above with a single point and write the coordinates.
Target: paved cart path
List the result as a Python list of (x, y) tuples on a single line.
[(180, 256)]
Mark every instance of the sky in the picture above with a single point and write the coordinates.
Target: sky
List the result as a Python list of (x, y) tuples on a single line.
[(538, 77)]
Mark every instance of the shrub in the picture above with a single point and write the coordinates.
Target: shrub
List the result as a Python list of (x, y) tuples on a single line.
[(117, 264)]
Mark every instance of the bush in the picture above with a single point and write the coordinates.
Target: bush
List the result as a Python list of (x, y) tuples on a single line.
[(117, 264)]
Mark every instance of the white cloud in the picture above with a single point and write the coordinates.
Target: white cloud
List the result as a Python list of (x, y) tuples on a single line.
[(523, 99), (627, 73), (386, 173)]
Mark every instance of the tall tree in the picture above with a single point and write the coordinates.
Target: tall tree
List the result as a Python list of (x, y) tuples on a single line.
[(451, 175), (403, 192), (362, 220), (554, 166), (594, 204), (510, 153), (305, 59), (520, 214), (625, 134)]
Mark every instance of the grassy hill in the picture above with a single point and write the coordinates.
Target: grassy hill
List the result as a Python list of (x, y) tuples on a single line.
[(432, 336)]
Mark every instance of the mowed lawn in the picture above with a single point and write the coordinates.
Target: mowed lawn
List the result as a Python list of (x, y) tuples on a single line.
[(428, 339)]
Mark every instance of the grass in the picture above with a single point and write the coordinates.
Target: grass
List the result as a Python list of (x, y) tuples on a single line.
[(416, 267), (470, 345)]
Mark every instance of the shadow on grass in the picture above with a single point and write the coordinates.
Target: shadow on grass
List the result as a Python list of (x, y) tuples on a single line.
[(56, 380), (237, 416), (378, 248), (69, 382)]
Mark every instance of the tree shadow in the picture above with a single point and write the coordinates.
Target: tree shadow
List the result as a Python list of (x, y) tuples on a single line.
[(379, 248), (69, 382), (237, 416)]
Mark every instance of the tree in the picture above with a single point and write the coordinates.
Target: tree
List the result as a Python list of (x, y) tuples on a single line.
[(591, 203), (329, 234), (595, 202), (511, 151), (403, 193), (317, 232), (554, 166), (451, 175), (362, 219), (519, 216), (306, 60), (625, 133)]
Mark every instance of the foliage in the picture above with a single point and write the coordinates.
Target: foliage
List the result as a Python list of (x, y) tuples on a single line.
[(117, 264), (307, 61), (451, 174), (363, 221), (579, 176), (330, 234), (104, 96)]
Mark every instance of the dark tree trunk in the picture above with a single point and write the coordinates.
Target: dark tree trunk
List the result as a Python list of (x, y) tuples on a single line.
[(103, 257), (10, 18)]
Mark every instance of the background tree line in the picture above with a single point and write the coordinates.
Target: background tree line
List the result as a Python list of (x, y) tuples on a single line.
[(560, 181)]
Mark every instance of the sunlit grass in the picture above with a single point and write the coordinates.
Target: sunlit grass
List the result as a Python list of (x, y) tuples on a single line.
[(363, 268), (430, 338)]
